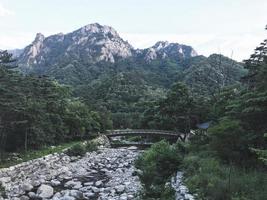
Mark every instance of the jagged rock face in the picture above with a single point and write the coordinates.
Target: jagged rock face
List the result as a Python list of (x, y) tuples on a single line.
[(31, 52), (92, 44), (89, 44), (163, 50)]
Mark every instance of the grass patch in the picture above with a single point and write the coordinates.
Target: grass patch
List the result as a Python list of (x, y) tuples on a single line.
[(33, 154)]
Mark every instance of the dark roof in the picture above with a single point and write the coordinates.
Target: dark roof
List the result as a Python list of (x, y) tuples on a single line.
[(204, 125)]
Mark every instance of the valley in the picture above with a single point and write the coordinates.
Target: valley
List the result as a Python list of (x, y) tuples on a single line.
[(200, 120)]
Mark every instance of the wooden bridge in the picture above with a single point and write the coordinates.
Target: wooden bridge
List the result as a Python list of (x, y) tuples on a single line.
[(168, 135)]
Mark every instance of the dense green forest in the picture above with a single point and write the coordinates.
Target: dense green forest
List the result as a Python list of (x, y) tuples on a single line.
[(37, 111), (127, 88), (227, 161)]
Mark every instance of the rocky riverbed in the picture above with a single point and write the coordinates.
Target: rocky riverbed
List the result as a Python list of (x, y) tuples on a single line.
[(107, 174)]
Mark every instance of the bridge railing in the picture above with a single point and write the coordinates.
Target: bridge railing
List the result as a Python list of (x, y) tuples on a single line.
[(141, 131)]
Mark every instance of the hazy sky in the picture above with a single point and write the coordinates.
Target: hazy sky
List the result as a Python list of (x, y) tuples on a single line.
[(210, 26)]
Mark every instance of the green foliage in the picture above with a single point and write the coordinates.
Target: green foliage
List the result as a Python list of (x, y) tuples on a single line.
[(179, 111), (212, 180), (91, 146), (33, 154), (158, 164), (76, 150), (37, 111), (81, 148), (230, 141)]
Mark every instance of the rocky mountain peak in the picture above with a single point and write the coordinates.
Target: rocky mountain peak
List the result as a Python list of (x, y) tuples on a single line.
[(39, 38), (160, 45), (165, 49), (93, 43), (96, 28)]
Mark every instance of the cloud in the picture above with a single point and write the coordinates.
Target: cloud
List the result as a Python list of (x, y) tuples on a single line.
[(5, 12), (238, 46)]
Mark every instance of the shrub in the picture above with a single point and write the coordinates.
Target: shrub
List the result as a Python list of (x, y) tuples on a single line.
[(158, 164), (230, 141), (212, 180), (91, 146), (76, 150)]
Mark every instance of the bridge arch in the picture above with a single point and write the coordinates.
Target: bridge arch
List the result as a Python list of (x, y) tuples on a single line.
[(164, 134)]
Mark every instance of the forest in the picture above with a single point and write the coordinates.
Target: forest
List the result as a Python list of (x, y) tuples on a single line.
[(36, 111), (226, 161)]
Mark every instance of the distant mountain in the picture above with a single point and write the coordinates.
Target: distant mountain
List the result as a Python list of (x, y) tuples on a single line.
[(164, 50), (92, 44), (95, 51)]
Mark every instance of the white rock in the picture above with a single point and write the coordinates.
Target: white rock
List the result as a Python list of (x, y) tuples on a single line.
[(98, 183), (132, 148), (120, 188), (45, 191), (55, 183)]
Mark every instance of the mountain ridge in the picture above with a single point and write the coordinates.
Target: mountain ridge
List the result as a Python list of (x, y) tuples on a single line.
[(95, 43)]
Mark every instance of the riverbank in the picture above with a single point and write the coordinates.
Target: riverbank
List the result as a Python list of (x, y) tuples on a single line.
[(105, 174)]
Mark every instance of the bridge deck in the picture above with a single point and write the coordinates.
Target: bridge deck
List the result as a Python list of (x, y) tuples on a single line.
[(159, 133)]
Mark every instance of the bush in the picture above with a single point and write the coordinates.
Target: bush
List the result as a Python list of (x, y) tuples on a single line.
[(76, 150), (230, 141), (158, 164), (211, 180), (91, 146)]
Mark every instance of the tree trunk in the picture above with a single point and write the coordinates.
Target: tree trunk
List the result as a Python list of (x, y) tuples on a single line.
[(26, 140)]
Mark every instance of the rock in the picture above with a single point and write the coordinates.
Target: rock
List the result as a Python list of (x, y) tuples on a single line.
[(77, 194), (67, 198), (45, 191), (24, 198), (55, 183), (93, 176), (133, 148), (88, 195), (123, 196), (73, 184), (4, 180), (98, 183), (88, 184), (32, 195), (37, 183), (130, 196), (95, 189), (120, 188), (26, 187)]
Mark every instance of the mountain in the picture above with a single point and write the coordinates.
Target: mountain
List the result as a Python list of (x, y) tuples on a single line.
[(109, 74), (164, 50), (92, 44), (89, 44)]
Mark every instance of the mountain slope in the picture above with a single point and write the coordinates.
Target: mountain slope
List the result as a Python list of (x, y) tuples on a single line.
[(108, 73), (89, 45)]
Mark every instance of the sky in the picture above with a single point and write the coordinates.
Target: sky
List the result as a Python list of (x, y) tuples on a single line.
[(231, 27)]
